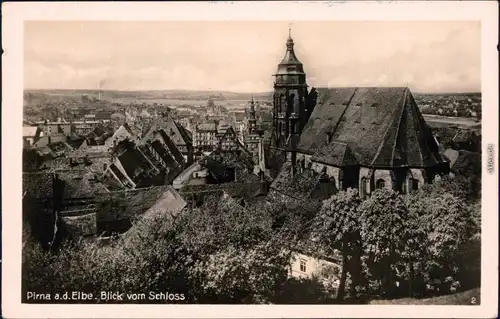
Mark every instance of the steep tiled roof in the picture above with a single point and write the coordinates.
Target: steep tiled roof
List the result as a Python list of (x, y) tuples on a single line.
[(336, 154), (75, 142), (299, 187), (111, 180), (164, 153), (54, 138), (186, 135), (382, 126), (80, 183), (330, 107), (452, 155), (133, 160), (58, 163), (168, 205), (169, 202), (44, 151), (38, 185), (127, 204), (177, 155), (467, 163), (122, 133), (83, 225), (176, 132), (60, 148)]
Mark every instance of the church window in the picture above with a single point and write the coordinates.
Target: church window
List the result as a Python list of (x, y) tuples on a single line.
[(380, 184), (414, 184), (362, 187)]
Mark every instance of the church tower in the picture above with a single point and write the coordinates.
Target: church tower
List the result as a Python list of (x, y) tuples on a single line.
[(252, 120), (290, 112)]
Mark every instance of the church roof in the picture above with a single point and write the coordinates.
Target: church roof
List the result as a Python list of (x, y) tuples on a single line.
[(375, 127), (336, 154)]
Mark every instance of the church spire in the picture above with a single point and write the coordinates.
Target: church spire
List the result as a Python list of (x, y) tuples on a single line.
[(252, 106), (252, 120), (289, 41)]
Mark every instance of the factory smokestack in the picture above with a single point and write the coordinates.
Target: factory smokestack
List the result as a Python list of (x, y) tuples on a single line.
[(101, 85)]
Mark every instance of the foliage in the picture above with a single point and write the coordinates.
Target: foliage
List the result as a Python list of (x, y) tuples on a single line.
[(337, 226), (248, 276), (386, 234), (222, 253), (449, 226)]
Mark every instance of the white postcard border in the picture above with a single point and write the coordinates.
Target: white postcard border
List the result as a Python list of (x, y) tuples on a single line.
[(14, 14)]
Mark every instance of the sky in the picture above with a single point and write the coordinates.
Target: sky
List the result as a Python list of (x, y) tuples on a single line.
[(241, 56)]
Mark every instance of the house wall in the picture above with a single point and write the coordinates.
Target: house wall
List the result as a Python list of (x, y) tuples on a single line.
[(417, 174), (335, 173), (314, 267), (30, 140), (385, 175)]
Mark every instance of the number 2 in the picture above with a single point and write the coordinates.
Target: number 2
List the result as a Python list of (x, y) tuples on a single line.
[(473, 300)]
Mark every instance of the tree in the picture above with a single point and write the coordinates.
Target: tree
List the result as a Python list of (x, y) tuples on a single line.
[(337, 227), (235, 275), (384, 220), (449, 225)]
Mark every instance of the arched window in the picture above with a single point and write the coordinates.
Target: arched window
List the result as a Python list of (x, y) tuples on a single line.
[(414, 184), (380, 184), (362, 187)]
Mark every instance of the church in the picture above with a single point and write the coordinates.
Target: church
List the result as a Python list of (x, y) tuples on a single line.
[(354, 137)]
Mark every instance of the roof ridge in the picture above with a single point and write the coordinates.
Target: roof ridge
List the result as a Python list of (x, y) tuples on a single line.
[(399, 125), (420, 122)]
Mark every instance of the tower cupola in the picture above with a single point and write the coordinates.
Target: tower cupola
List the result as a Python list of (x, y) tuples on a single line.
[(290, 64)]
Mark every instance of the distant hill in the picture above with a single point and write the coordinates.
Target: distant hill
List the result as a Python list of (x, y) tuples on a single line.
[(187, 94), (470, 94), (153, 94)]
